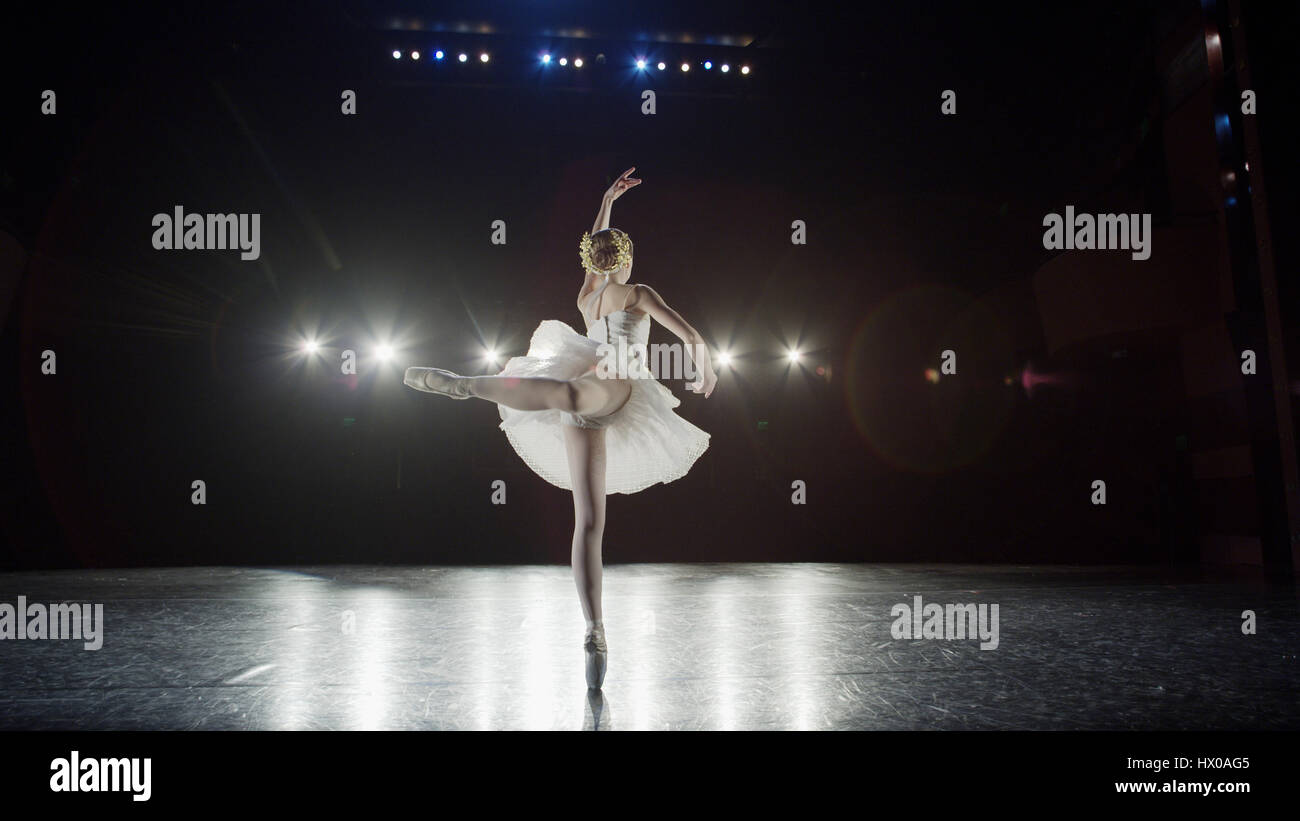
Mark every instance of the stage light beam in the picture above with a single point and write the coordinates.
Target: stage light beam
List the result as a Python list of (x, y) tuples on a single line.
[(794, 355)]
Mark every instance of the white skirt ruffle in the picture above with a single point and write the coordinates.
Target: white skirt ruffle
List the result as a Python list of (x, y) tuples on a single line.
[(646, 442)]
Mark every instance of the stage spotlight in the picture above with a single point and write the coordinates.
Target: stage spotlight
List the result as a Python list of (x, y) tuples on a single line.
[(662, 65), (708, 64), (725, 68), (483, 58), (463, 57), (724, 359), (744, 69), (546, 60), (310, 346), (397, 55), (793, 355), (492, 357), (577, 63), (384, 353), (564, 61), (640, 65), (686, 66), (415, 55), (438, 55)]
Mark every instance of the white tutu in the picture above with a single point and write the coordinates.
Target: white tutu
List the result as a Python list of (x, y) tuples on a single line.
[(646, 442)]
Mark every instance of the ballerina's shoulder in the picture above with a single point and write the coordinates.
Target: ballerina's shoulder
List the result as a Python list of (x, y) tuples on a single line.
[(626, 297)]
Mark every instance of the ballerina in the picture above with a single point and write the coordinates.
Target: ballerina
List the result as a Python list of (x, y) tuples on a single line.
[(586, 427)]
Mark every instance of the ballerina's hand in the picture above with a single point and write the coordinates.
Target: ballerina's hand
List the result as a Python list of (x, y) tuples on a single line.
[(705, 384), (623, 183)]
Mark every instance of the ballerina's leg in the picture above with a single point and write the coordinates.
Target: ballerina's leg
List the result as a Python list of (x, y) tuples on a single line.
[(586, 454), (587, 395)]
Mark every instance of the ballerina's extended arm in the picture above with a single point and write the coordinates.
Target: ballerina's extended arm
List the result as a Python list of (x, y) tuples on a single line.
[(623, 183), (646, 299)]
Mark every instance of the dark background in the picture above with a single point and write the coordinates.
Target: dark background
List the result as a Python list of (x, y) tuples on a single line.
[(923, 232)]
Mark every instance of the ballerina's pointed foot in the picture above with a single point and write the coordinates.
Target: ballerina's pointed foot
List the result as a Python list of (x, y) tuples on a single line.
[(436, 380), (593, 644)]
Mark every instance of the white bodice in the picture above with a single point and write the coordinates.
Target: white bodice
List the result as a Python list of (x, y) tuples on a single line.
[(635, 327)]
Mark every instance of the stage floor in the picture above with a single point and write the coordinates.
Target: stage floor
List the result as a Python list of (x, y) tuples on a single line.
[(692, 646)]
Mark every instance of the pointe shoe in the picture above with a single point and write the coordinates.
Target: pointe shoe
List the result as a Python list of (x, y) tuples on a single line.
[(593, 644), (436, 380)]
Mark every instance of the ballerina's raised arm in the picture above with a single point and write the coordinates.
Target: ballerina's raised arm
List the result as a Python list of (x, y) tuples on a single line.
[(622, 184)]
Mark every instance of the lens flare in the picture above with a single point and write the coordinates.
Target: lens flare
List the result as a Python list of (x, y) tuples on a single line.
[(1031, 379), (912, 415)]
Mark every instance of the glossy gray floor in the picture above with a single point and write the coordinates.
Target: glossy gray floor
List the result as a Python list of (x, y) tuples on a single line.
[(756, 646)]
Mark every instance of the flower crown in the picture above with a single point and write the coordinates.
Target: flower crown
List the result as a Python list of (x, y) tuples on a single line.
[(621, 242)]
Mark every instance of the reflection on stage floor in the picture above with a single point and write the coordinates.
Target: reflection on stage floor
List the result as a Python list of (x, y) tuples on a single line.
[(692, 646)]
